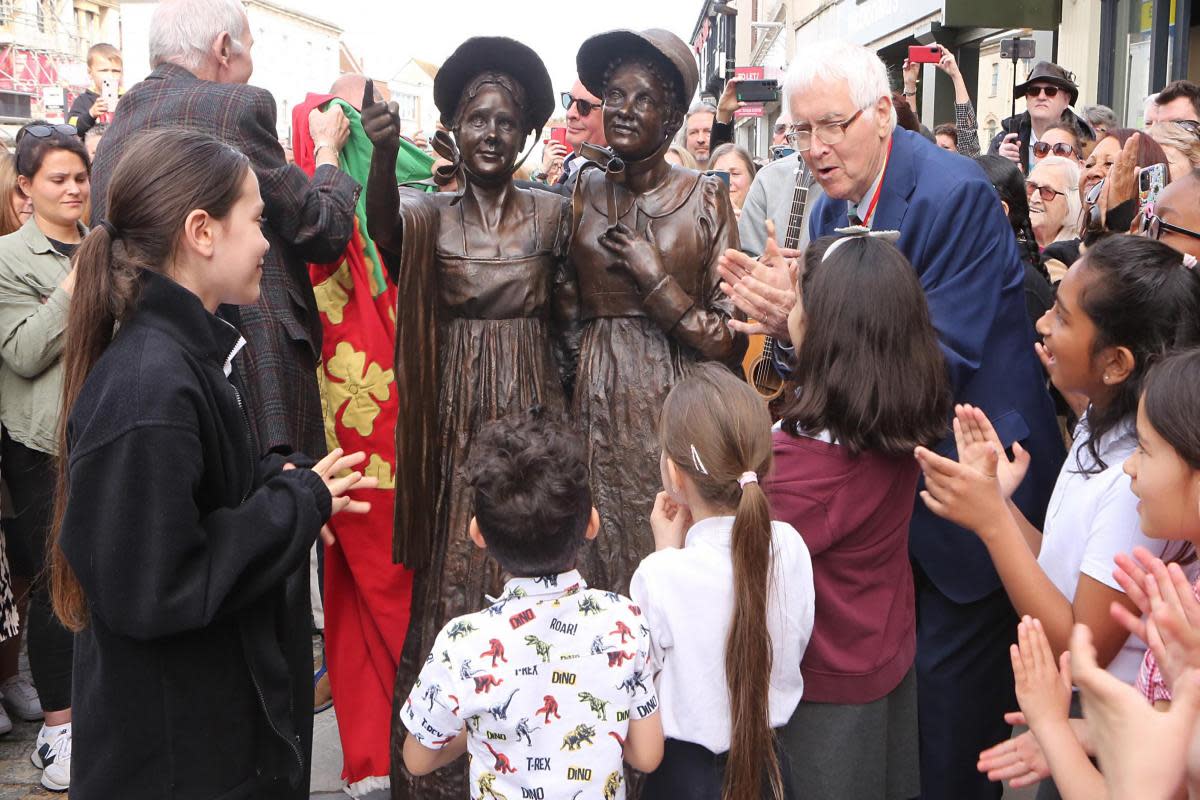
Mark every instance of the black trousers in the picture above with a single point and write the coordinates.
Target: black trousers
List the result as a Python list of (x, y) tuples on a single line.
[(31, 476), (964, 688), (691, 772)]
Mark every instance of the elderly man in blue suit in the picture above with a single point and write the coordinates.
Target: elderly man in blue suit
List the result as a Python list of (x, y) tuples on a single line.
[(954, 232)]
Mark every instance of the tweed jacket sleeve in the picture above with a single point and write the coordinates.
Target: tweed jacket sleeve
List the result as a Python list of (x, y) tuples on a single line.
[(315, 216)]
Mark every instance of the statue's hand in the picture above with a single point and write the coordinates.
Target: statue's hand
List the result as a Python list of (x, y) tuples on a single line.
[(635, 253), (380, 121)]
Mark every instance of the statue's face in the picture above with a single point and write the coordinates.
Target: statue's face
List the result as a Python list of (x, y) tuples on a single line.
[(489, 135), (635, 111)]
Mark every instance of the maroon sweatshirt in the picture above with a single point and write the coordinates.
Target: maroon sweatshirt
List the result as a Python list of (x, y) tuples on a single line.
[(853, 514)]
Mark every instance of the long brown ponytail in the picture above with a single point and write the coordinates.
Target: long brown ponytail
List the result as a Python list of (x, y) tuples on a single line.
[(163, 176), (715, 428)]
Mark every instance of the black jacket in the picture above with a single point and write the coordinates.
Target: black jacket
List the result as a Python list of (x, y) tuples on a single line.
[(1023, 126), (181, 538), (80, 114)]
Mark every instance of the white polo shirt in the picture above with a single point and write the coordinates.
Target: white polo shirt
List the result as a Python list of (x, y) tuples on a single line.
[(1090, 519), (687, 597)]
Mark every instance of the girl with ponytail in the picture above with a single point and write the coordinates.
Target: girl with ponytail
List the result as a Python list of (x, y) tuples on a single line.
[(728, 594), (872, 385), (173, 536)]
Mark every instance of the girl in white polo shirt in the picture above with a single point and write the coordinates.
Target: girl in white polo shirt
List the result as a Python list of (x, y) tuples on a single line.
[(1125, 304), (728, 596)]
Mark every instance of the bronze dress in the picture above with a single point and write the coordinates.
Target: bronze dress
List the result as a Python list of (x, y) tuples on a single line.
[(634, 349), (494, 356)]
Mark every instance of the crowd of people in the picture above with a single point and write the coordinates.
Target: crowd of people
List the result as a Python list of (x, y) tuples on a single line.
[(561, 527)]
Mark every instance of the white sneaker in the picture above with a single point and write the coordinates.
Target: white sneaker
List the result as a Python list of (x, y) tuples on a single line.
[(21, 698), (5, 723), (52, 755)]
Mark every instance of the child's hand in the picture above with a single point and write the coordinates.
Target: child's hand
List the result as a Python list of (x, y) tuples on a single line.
[(968, 496), (1018, 760), (974, 436), (1042, 692), (328, 468), (669, 522), (1143, 752)]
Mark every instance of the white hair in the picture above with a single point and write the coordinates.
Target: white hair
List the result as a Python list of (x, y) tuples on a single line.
[(863, 72), (1150, 102), (1070, 168), (183, 31)]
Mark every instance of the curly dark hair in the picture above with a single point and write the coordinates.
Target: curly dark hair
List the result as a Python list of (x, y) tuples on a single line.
[(532, 496)]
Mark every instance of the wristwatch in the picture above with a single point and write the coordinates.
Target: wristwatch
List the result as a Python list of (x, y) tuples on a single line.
[(539, 175)]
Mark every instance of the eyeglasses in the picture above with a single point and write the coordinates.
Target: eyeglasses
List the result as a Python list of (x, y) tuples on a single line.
[(830, 133), (585, 106), (1049, 91), (1043, 149), (1047, 192), (41, 131), (1153, 227)]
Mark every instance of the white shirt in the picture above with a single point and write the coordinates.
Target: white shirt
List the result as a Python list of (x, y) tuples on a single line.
[(687, 597), (1090, 519), (546, 681)]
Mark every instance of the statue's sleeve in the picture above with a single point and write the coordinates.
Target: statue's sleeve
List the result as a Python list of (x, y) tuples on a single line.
[(703, 325), (417, 377), (565, 324)]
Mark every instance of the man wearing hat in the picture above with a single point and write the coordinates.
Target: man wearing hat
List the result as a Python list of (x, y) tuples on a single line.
[(650, 306), (1049, 92)]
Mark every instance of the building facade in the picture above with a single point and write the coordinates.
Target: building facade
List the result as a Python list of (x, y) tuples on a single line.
[(412, 92)]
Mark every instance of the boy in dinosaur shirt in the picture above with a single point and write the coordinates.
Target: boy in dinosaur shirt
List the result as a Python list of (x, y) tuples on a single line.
[(549, 686)]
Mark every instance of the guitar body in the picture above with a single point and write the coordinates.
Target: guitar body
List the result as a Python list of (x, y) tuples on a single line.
[(759, 367), (759, 361)]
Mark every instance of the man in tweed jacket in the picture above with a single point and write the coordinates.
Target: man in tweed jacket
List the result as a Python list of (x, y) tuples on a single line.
[(200, 50)]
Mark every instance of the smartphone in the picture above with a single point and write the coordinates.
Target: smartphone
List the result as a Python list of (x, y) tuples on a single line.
[(758, 91), (1151, 181), (720, 174), (559, 134), (781, 151), (108, 90), (924, 54)]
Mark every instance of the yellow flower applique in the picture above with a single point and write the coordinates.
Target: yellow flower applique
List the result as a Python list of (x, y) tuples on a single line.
[(332, 293), (356, 388)]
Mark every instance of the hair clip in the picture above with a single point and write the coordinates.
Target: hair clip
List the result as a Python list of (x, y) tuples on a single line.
[(858, 232), (1189, 261), (696, 460), (747, 477)]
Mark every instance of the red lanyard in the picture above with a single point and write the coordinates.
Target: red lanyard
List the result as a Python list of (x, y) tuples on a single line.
[(866, 219)]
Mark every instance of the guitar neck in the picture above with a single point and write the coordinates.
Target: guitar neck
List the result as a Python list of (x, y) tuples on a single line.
[(796, 214)]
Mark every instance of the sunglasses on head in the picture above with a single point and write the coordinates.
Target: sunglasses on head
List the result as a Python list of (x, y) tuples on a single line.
[(1050, 91), (41, 131), (1043, 149), (584, 106)]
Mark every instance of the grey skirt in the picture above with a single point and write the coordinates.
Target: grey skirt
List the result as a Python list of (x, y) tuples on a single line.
[(865, 751)]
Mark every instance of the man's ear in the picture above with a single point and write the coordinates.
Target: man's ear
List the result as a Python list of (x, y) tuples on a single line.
[(222, 48), (593, 528), (476, 535)]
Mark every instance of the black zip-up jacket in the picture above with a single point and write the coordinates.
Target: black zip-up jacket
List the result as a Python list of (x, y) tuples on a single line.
[(80, 114), (181, 538)]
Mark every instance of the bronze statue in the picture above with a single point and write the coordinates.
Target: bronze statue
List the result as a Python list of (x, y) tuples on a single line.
[(476, 274), (645, 256)]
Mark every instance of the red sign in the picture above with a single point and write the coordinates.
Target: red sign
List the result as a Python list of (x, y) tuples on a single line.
[(749, 109)]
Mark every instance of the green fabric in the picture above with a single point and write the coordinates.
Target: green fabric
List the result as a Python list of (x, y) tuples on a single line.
[(412, 164)]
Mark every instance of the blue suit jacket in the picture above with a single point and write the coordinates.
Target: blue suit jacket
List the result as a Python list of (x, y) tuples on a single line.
[(953, 230)]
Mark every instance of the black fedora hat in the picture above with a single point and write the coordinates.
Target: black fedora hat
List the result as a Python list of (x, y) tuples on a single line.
[(1046, 72), (495, 54), (656, 44)]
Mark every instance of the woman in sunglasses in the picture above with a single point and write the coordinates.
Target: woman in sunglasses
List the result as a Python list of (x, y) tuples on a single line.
[(1053, 192), (36, 282), (1060, 139)]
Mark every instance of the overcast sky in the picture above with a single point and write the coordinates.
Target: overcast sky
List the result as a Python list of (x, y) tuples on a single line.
[(386, 33)]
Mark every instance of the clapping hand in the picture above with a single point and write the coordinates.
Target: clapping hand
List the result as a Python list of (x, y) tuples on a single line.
[(1170, 614), (763, 289), (1018, 760), (974, 436), (329, 469), (380, 121), (969, 495), (1043, 692)]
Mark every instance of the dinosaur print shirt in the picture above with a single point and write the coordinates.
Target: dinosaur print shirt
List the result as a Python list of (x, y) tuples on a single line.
[(546, 681)]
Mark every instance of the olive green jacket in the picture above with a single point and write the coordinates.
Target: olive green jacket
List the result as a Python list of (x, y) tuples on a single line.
[(33, 321)]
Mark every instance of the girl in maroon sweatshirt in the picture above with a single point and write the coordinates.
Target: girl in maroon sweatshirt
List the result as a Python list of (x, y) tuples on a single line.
[(872, 385)]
